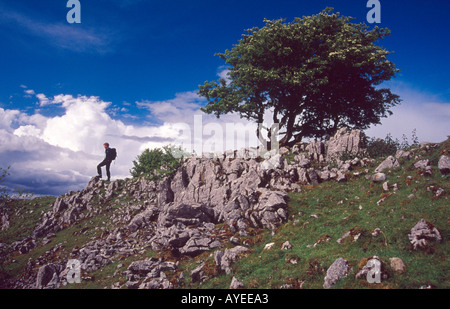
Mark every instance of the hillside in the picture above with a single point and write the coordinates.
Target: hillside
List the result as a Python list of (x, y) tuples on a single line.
[(319, 215)]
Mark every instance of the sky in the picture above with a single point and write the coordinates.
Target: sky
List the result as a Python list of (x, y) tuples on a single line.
[(128, 74)]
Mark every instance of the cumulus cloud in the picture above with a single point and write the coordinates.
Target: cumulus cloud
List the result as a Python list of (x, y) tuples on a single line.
[(43, 100), (52, 155), (67, 148), (421, 112), (173, 110)]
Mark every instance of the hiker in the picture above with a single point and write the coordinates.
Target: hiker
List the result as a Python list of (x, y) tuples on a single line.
[(110, 156)]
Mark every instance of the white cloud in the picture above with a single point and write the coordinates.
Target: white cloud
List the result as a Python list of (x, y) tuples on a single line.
[(27, 130), (43, 100), (68, 148), (7, 117), (174, 110), (60, 153), (419, 111), (29, 93)]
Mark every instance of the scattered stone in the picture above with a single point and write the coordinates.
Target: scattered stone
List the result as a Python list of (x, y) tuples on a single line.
[(269, 246), (397, 265), (444, 164), (207, 200), (422, 233), (376, 232), (198, 274), (286, 245), (335, 272), (236, 284), (373, 270), (48, 277), (424, 166), (403, 154), (341, 177), (353, 235), (224, 260), (379, 177), (389, 162)]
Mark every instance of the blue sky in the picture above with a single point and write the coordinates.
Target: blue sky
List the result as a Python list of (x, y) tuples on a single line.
[(129, 72)]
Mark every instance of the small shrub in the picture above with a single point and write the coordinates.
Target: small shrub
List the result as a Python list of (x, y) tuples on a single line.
[(157, 163), (380, 148), (377, 147)]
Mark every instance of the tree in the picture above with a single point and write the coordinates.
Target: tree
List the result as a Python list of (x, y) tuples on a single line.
[(314, 75), (157, 163), (4, 194)]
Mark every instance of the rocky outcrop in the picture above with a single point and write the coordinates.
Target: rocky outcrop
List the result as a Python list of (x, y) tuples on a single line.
[(423, 233), (345, 141), (206, 206), (335, 272)]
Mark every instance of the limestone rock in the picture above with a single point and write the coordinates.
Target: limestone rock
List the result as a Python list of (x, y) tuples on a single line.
[(236, 284), (389, 162), (397, 265), (48, 277), (373, 270), (224, 260), (344, 141), (444, 164), (379, 177), (335, 272)]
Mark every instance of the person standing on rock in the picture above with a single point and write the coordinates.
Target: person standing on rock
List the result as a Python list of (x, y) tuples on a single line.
[(110, 156)]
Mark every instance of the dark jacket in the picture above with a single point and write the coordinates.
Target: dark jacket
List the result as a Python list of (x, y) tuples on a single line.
[(109, 154)]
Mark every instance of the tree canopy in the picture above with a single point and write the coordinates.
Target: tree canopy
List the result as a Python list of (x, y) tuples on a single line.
[(157, 163), (314, 74)]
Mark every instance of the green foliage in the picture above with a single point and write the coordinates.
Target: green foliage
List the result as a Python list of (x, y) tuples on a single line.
[(157, 163), (378, 148), (4, 195), (316, 74)]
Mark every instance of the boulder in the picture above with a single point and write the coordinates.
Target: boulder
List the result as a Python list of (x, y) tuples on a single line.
[(224, 260), (344, 141), (236, 284), (335, 272), (444, 164), (379, 177), (397, 265), (422, 233), (389, 162), (373, 270), (48, 277), (272, 163)]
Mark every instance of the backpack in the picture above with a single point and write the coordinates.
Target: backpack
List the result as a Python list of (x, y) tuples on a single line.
[(113, 154)]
